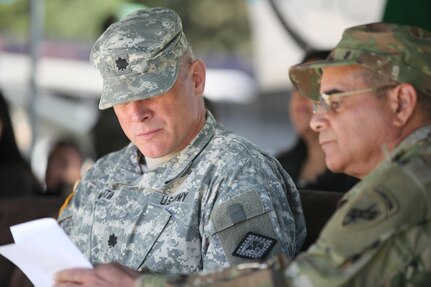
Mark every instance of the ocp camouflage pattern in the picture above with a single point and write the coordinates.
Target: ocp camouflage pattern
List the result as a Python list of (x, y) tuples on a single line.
[(401, 53), (390, 248)]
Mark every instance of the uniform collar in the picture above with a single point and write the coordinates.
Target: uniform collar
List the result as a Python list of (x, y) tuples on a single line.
[(423, 133), (177, 165)]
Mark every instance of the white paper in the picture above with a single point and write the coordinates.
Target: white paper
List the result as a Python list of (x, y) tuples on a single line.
[(42, 248)]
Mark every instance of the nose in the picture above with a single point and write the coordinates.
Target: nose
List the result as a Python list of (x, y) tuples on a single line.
[(318, 122), (138, 111)]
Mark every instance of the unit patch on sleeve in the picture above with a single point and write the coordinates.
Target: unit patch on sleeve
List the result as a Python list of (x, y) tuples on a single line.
[(372, 207), (254, 246)]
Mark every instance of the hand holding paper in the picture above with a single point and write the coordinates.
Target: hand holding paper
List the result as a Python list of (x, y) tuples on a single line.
[(42, 248)]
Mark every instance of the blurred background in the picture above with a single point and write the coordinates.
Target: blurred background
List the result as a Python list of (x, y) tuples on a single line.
[(248, 46)]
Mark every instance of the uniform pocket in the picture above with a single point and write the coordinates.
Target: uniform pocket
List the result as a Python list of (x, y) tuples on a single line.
[(125, 228)]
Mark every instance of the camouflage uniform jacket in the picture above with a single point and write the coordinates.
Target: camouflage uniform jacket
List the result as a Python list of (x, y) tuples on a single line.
[(379, 236), (192, 213)]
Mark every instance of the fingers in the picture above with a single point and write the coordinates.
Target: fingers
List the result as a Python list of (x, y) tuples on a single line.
[(117, 269), (75, 275), (106, 275), (117, 274), (58, 284)]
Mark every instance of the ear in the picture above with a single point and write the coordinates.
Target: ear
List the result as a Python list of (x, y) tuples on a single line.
[(403, 103), (198, 70)]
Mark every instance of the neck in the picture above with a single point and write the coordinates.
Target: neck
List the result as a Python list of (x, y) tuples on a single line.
[(199, 124)]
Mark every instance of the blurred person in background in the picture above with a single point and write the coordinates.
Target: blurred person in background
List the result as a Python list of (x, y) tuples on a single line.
[(64, 167), (16, 176), (305, 161)]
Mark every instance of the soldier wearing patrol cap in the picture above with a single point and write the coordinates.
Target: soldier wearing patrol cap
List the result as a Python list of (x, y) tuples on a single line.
[(186, 194), (373, 115)]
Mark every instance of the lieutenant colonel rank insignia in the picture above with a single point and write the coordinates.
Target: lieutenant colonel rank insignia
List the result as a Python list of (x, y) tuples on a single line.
[(121, 64), (112, 241), (254, 246)]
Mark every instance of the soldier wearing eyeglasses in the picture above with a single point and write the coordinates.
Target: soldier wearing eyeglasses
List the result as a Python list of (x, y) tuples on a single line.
[(373, 115)]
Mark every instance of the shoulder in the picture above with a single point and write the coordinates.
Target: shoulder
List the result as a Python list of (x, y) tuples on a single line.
[(415, 160), (228, 145), (112, 166), (394, 197), (233, 156), (111, 160), (115, 155)]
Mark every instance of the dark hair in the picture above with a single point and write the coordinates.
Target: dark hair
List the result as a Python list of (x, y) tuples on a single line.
[(65, 143), (314, 55), (424, 104), (10, 154), (9, 151)]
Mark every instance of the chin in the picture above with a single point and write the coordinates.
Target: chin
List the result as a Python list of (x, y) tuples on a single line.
[(334, 166)]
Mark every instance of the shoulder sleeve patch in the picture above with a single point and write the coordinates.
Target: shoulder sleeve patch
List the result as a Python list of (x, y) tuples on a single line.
[(388, 200), (65, 203), (377, 205), (237, 209), (254, 246), (244, 229)]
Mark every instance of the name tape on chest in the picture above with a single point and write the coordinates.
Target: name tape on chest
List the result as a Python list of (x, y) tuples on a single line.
[(166, 200)]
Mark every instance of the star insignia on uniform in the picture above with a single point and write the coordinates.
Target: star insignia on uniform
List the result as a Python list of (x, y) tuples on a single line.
[(121, 64), (112, 240)]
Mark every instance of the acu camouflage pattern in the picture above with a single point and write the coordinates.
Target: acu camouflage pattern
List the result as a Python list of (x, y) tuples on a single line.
[(379, 236), (175, 219), (139, 56), (402, 53)]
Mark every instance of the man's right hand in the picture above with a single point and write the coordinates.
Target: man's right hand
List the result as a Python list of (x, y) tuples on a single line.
[(103, 275)]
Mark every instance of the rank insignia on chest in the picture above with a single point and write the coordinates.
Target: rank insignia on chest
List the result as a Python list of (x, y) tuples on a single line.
[(254, 246), (112, 241)]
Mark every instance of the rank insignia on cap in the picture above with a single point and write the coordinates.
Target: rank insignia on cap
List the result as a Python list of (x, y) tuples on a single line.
[(121, 64), (254, 246)]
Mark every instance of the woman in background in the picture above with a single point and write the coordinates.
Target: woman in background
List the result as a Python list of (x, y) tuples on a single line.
[(16, 176), (305, 161), (63, 170)]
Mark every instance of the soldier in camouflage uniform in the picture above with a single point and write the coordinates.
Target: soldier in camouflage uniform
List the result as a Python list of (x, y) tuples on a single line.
[(373, 115), (186, 194)]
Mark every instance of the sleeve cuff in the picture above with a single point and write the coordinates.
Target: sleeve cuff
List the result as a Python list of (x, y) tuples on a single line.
[(151, 281)]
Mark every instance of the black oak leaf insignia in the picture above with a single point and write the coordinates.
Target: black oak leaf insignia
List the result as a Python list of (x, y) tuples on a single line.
[(112, 240), (121, 64)]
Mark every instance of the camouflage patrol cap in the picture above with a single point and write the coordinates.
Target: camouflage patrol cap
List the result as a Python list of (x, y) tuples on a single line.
[(139, 56), (401, 53)]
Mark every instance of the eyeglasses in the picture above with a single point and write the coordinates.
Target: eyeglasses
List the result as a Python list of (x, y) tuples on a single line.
[(326, 103)]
